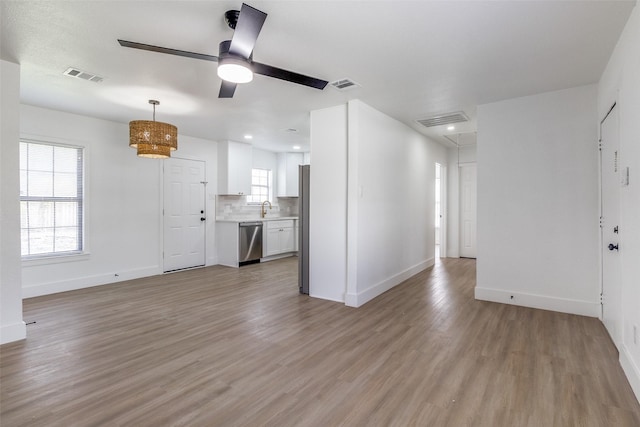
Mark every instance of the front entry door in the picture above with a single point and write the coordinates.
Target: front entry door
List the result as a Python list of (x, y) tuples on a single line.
[(610, 216), (184, 214)]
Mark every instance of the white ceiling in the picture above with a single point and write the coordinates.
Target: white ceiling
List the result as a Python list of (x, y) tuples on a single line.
[(413, 59)]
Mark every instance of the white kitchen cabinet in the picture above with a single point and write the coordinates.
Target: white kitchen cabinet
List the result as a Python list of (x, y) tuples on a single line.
[(279, 237), (288, 173), (234, 168)]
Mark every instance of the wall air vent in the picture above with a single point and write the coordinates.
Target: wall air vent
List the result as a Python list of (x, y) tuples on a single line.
[(344, 84), (444, 119), (79, 74)]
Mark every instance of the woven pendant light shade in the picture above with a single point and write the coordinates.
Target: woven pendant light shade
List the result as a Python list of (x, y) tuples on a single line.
[(148, 132), (152, 151), (153, 139)]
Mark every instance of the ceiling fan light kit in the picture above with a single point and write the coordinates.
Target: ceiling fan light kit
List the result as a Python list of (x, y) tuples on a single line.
[(154, 140), (235, 60), (234, 70)]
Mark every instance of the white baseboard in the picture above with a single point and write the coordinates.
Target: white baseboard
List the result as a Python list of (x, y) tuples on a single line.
[(13, 332), (361, 298), (87, 282), (325, 298), (563, 305), (631, 370), (279, 256)]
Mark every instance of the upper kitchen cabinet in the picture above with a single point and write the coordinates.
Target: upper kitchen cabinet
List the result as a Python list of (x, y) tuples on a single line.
[(288, 173), (234, 168)]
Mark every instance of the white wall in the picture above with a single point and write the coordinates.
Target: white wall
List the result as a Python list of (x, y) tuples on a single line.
[(538, 202), (328, 204), (123, 203), (391, 202), (620, 83), (12, 327), (372, 203)]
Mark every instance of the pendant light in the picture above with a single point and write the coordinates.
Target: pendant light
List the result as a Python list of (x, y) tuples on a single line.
[(153, 139)]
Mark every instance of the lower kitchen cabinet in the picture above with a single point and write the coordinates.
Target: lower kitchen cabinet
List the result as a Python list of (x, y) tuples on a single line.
[(279, 237)]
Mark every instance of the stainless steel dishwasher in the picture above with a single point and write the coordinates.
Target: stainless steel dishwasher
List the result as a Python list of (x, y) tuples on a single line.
[(250, 242)]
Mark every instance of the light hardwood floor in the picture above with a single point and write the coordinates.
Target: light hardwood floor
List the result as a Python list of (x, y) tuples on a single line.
[(239, 347)]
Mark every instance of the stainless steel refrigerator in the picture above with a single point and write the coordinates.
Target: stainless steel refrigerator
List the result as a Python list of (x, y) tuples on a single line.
[(303, 230)]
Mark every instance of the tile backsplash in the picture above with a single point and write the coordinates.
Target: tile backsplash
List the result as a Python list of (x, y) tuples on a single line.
[(236, 207)]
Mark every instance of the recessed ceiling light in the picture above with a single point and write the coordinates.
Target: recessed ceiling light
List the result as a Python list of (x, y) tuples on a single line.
[(451, 127), (296, 147), (248, 137)]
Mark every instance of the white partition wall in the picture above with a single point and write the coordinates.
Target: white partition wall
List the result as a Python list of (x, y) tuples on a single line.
[(328, 204), (12, 327), (372, 203)]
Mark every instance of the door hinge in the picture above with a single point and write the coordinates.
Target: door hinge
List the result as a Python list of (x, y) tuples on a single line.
[(601, 301), (601, 222)]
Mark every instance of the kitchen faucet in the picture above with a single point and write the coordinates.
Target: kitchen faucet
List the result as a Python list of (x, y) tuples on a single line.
[(263, 211)]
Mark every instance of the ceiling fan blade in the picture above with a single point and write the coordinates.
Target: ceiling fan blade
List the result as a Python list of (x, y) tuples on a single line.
[(247, 30), (290, 76), (160, 49), (227, 89)]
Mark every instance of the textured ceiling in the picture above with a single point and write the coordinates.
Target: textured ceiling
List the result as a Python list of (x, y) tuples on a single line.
[(412, 59)]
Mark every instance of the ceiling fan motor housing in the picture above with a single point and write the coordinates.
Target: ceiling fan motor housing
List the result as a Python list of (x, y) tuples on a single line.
[(231, 18), (223, 53)]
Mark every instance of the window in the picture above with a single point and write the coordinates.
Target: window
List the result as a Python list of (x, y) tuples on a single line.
[(260, 186), (51, 199)]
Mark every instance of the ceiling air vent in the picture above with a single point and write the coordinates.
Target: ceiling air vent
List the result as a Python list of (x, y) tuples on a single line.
[(444, 119), (344, 84), (79, 74)]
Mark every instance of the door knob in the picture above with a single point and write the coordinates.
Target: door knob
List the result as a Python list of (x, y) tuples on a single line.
[(202, 218), (612, 247)]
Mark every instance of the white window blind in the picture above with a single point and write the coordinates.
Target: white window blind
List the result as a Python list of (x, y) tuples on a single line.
[(51, 199)]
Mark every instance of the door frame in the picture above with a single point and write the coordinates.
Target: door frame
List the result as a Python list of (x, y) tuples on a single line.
[(460, 167), (443, 209)]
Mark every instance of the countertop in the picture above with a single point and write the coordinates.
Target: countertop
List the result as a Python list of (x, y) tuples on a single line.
[(267, 218)]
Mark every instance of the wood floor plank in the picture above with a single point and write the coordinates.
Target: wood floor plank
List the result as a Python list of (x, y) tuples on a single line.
[(240, 347)]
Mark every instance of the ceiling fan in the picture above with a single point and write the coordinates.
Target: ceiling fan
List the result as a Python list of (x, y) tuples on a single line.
[(235, 58)]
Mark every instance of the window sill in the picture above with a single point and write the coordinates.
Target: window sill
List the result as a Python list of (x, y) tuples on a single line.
[(55, 259)]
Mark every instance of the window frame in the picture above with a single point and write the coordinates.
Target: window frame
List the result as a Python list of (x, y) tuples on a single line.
[(81, 199), (269, 187)]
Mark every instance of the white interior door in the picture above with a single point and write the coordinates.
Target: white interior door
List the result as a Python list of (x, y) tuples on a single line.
[(610, 216), (468, 209), (184, 213)]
